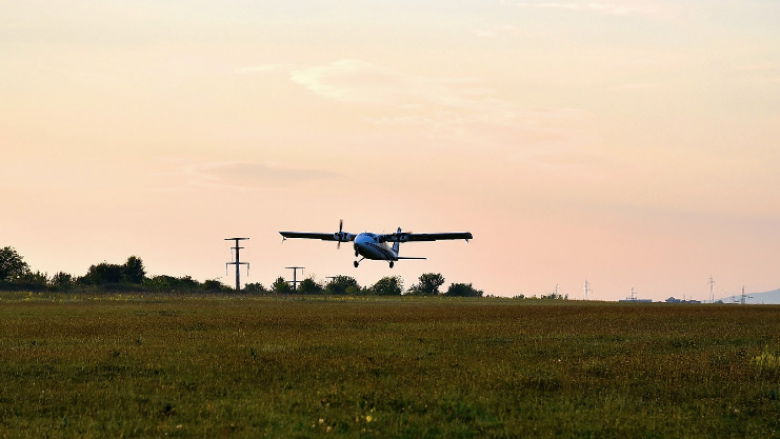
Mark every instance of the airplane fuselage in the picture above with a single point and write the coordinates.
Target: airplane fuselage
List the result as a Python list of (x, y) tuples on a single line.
[(369, 246)]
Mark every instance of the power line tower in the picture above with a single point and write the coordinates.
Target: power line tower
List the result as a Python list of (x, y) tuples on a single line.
[(586, 289), (295, 276), (712, 290), (238, 262), (744, 298)]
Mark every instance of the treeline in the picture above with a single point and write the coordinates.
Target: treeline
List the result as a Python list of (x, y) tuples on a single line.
[(16, 275), (428, 284)]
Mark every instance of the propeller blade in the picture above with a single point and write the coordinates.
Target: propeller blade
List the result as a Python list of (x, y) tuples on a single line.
[(341, 234)]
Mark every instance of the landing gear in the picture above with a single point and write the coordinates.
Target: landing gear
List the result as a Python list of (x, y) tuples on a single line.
[(357, 254), (356, 263), (391, 264)]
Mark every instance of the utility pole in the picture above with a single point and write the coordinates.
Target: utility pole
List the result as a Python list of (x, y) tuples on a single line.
[(586, 289), (238, 262), (295, 276), (712, 290), (743, 299)]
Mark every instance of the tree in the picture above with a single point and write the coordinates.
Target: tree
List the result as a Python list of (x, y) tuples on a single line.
[(12, 265), (429, 285), (213, 285), (342, 285), (62, 280), (309, 286), (254, 288), (161, 283), (187, 283), (36, 278), (280, 286), (463, 290), (133, 270), (104, 273), (389, 286)]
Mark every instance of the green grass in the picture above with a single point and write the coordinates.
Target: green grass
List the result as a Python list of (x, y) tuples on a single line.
[(187, 366)]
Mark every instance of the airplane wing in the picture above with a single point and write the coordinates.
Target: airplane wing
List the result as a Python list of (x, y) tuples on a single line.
[(323, 236), (410, 237)]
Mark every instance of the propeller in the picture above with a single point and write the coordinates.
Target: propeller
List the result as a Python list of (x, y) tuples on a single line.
[(398, 234), (341, 234)]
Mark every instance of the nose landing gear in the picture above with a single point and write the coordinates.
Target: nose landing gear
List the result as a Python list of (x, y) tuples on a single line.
[(391, 264), (356, 263)]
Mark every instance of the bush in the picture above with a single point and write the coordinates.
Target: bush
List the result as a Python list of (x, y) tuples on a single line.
[(280, 286), (309, 286), (463, 290), (254, 288), (343, 285), (213, 285)]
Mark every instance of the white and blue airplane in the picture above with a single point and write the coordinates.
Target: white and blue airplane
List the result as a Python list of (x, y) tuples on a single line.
[(375, 246)]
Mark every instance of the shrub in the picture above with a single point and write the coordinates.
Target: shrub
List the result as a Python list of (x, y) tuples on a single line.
[(463, 290)]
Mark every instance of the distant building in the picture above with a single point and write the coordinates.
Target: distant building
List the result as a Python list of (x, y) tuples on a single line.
[(633, 298), (673, 300)]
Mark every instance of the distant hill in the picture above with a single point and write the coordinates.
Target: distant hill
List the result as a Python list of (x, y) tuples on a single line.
[(769, 297)]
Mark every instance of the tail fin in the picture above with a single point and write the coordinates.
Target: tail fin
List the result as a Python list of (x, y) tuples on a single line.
[(397, 244)]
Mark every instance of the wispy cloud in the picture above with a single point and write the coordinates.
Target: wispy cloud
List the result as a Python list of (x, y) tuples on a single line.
[(612, 8), (461, 109), (245, 175), (579, 164), (350, 80), (496, 32)]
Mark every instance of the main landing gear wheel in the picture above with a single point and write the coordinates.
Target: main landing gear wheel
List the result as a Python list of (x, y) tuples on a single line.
[(356, 264), (391, 264)]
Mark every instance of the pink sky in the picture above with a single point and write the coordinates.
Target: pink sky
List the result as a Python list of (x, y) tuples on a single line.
[(630, 143)]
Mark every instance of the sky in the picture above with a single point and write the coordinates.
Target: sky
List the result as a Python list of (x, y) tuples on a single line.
[(634, 144)]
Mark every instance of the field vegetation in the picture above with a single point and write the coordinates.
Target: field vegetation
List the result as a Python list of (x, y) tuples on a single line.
[(115, 365)]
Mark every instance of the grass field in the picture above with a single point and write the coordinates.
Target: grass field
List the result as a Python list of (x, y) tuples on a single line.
[(132, 366)]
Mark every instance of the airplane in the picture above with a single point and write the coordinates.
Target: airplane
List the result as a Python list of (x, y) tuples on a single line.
[(375, 246)]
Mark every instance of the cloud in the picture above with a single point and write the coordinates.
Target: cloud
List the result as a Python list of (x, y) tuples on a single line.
[(610, 8), (496, 32), (579, 164), (452, 109), (246, 175), (356, 81)]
